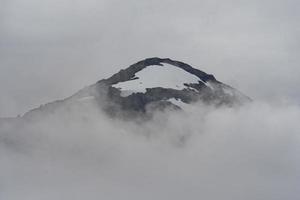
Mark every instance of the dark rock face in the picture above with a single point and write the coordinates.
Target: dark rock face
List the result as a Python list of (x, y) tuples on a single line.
[(142, 103)]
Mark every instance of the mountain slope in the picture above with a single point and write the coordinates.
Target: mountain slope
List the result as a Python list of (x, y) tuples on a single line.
[(149, 85)]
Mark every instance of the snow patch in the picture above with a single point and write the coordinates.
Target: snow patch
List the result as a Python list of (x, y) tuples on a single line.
[(177, 102), (209, 84), (166, 76), (126, 93), (86, 98)]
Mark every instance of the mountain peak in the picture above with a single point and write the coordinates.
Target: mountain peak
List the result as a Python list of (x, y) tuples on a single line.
[(128, 74), (163, 83), (149, 85)]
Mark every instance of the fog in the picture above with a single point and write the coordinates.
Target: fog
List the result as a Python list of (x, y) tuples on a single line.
[(51, 49), (250, 152)]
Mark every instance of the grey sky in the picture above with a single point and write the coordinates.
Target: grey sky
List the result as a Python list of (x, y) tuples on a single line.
[(49, 49), (52, 48)]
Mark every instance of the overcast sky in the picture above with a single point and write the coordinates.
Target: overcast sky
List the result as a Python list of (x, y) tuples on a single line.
[(50, 49)]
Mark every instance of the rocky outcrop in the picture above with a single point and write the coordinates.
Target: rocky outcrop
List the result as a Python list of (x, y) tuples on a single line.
[(214, 92)]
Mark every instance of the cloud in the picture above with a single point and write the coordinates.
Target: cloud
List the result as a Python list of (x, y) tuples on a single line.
[(51, 49), (249, 152)]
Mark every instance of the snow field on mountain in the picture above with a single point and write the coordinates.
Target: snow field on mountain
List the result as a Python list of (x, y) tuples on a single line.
[(166, 76)]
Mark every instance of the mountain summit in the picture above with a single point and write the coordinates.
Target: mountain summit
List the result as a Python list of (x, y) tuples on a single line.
[(153, 84)]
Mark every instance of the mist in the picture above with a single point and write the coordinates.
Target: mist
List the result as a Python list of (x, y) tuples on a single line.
[(51, 49), (249, 152)]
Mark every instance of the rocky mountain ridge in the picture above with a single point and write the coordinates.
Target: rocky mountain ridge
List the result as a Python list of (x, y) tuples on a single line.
[(127, 93)]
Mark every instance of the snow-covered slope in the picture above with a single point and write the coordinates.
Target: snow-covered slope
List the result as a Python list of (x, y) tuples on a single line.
[(165, 76)]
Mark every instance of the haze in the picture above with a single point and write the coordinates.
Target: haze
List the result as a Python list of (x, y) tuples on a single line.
[(51, 49)]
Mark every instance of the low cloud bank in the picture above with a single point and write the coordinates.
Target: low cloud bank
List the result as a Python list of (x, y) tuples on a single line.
[(250, 152)]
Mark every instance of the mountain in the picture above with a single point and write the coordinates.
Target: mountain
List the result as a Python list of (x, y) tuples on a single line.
[(149, 85)]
